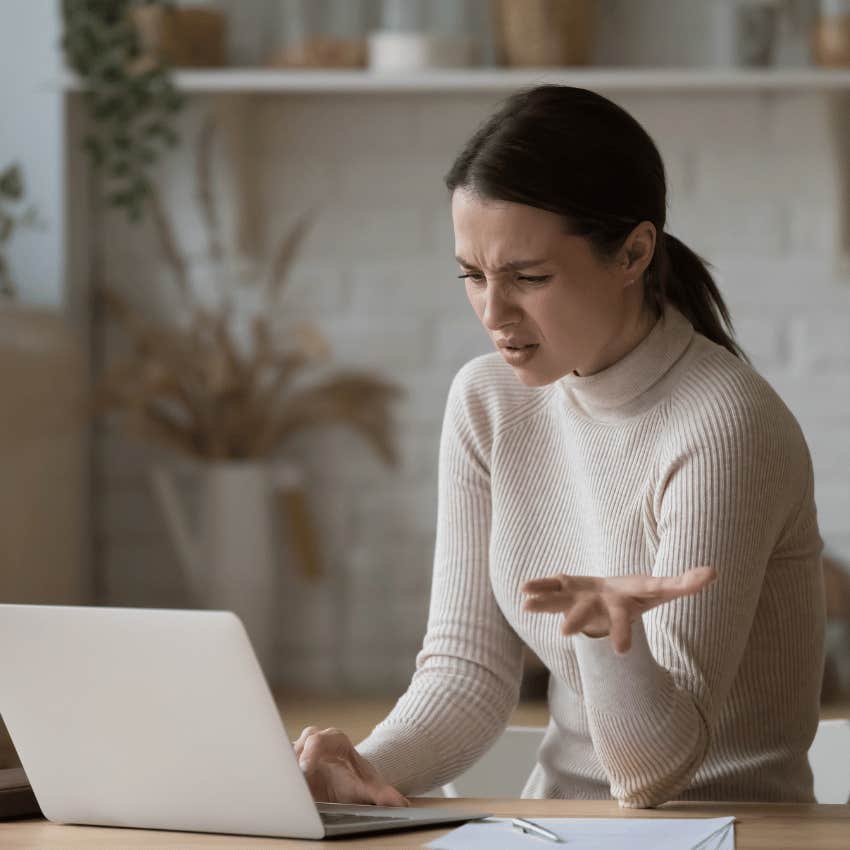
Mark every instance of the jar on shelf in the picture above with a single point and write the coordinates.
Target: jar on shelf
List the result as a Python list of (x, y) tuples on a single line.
[(250, 30), (185, 35), (320, 34), (830, 40), (400, 43), (415, 35), (756, 32), (545, 33), (452, 28)]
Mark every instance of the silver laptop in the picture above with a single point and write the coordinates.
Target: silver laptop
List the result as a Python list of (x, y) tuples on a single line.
[(161, 719)]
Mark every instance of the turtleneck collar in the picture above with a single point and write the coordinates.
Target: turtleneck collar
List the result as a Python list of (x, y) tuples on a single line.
[(626, 387)]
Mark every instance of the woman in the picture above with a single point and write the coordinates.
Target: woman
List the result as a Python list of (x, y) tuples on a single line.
[(618, 489)]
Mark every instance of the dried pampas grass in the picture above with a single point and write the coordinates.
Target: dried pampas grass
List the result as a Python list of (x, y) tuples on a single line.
[(194, 389)]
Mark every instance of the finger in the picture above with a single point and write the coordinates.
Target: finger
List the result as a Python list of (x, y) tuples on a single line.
[(386, 795), (329, 743), (579, 616), (306, 732), (335, 782), (542, 585), (298, 745), (319, 789), (552, 602), (315, 748), (563, 582), (383, 794), (691, 581), (327, 786), (621, 628)]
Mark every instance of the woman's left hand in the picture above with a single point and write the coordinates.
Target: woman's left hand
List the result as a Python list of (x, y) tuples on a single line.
[(608, 606)]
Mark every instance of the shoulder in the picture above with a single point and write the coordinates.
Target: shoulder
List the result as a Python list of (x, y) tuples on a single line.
[(722, 405), (487, 396)]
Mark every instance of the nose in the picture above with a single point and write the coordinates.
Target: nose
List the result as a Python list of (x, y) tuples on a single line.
[(498, 310)]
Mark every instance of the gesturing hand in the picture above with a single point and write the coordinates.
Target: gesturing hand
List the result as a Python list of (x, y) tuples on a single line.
[(337, 773), (609, 606)]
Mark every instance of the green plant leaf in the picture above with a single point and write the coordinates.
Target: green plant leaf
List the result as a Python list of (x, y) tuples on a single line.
[(100, 43), (95, 149), (11, 183), (7, 226)]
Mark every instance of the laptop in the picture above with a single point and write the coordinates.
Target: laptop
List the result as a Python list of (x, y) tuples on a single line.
[(162, 719)]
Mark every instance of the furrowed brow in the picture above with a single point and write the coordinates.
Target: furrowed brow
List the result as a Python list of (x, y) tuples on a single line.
[(512, 266)]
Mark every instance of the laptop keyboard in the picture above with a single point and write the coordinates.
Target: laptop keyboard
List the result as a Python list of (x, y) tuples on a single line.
[(342, 818)]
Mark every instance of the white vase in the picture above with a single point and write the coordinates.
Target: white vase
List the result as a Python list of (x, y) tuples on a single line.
[(231, 557)]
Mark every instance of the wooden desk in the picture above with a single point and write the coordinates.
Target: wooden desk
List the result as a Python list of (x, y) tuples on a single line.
[(760, 826)]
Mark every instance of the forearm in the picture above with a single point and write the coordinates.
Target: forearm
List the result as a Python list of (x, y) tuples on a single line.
[(648, 733), (440, 726)]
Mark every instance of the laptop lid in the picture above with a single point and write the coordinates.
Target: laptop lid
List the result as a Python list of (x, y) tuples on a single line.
[(149, 718)]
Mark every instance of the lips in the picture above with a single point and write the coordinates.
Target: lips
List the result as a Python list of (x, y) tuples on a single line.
[(519, 356), (516, 344)]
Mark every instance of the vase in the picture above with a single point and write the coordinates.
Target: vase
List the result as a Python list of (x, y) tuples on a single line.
[(230, 556)]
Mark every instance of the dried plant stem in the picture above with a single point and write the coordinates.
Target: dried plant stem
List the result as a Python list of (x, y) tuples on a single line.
[(339, 400), (206, 189), (285, 253), (151, 423), (168, 244), (191, 387)]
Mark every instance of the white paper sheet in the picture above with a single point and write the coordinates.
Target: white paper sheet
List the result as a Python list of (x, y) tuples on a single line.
[(596, 834)]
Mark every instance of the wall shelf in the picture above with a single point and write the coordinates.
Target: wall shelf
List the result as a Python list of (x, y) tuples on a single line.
[(262, 80)]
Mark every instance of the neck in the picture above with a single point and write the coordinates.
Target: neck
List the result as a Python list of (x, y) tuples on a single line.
[(626, 338), (634, 382)]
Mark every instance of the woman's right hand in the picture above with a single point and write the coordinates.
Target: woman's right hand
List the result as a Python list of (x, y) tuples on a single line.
[(337, 773)]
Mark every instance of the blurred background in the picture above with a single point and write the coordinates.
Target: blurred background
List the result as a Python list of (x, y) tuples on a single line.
[(229, 309)]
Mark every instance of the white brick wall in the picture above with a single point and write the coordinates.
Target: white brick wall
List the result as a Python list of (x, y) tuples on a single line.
[(753, 188)]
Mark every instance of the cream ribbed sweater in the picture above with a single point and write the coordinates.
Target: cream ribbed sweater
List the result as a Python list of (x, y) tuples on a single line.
[(678, 455)]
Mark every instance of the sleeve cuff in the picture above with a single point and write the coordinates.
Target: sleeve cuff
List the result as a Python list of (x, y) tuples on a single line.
[(401, 755)]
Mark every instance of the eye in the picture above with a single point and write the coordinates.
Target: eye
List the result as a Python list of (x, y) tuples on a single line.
[(477, 277)]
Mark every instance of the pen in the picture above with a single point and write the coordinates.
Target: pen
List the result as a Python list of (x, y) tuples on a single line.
[(535, 829)]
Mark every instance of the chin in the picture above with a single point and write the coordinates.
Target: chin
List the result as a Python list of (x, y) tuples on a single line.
[(533, 379)]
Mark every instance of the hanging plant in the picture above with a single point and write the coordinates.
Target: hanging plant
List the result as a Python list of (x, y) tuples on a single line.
[(12, 216), (130, 97)]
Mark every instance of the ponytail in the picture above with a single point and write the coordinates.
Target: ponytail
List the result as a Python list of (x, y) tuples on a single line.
[(681, 277)]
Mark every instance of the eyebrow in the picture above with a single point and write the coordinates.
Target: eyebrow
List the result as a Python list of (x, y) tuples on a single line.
[(512, 266)]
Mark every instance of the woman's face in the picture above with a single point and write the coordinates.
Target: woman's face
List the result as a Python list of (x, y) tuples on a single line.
[(531, 284)]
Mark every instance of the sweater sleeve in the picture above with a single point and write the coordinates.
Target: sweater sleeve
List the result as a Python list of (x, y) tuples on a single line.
[(466, 682), (734, 484)]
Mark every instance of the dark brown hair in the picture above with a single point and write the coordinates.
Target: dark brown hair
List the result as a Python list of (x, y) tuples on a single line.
[(575, 153)]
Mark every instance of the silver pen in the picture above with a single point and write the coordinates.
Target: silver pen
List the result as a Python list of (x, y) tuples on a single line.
[(533, 828)]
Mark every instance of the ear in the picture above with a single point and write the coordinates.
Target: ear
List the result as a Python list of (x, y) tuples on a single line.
[(637, 252)]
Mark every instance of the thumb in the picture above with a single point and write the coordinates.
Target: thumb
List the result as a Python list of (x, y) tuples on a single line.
[(386, 795), (686, 584), (700, 577)]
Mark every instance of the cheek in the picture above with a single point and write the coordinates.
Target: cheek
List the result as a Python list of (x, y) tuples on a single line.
[(475, 300)]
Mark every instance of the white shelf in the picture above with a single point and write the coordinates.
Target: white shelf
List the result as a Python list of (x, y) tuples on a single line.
[(261, 80)]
